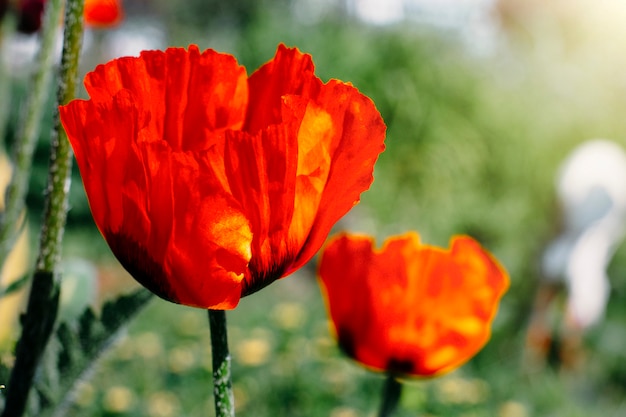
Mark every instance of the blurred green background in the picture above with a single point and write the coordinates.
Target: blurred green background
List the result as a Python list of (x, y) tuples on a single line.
[(482, 102)]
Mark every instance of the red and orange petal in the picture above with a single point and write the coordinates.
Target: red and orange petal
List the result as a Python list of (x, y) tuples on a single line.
[(408, 308), (103, 13), (208, 185)]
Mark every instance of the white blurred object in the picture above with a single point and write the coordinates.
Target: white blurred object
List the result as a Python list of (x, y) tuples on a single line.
[(135, 36), (591, 188), (471, 20), (379, 12), (19, 53)]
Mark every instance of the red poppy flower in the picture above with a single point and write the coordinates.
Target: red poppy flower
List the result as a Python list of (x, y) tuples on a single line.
[(209, 185), (103, 13), (408, 308)]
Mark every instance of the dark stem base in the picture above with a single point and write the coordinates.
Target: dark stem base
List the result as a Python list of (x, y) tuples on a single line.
[(392, 391)]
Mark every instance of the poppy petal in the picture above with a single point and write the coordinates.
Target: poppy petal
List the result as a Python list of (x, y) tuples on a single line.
[(163, 213), (344, 299), (290, 72), (210, 238), (358, 134), (261, 174), (107, 155), (182, 95), (315, 132), (166, 203)]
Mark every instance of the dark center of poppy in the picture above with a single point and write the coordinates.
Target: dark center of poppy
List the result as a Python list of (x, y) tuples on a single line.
[(138, 262), (261, 276), (346, 341), (400, 366)]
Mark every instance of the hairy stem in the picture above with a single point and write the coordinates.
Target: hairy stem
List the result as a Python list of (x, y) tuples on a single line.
[(29, 131), (41, 311), (222, 385)]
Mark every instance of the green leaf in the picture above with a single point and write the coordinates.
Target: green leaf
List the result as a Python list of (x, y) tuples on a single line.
[(75, 348), (15, 285)]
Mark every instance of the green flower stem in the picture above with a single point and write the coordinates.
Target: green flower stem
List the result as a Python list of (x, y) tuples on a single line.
[(392, 391), (222, 385), (41, 311), (30, 128), (37, 325), (60, 168)]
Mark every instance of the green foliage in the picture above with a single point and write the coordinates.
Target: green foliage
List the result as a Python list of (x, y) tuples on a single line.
[(75, 348)]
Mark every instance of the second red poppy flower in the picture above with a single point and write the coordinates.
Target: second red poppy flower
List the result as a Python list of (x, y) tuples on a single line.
[(409, 308)]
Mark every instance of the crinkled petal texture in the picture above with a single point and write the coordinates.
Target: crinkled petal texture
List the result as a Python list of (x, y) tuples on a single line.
[(209, 185), (103, 13), (411, 309)]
